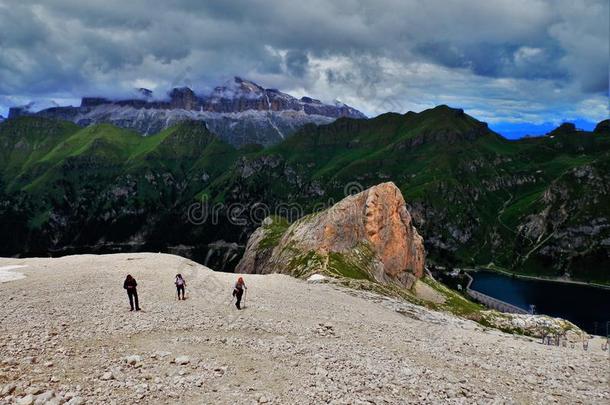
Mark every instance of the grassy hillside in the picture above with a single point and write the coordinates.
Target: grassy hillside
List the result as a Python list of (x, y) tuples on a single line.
[(537, 205), (66, 188)]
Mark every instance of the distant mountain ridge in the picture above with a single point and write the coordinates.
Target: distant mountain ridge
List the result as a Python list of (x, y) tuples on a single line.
[(240, 112)]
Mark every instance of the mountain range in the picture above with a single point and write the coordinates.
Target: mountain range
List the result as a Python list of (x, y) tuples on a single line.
[(536, 205), (240, 112)]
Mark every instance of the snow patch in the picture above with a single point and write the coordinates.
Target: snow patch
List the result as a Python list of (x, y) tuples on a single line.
[(7, 274), (316, 277)]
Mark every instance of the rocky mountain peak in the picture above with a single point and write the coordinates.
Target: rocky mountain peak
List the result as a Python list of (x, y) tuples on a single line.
[(371, 231), (247, 85), (566, 127), (443, 124), (446, 109), (183, 97), (236, 88), (310, 100), (602, 127), (144, 93)]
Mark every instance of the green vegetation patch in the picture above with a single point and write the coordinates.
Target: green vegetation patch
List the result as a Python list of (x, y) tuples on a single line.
[(273, 232), (454, 301), (305, 264), (348, 266)]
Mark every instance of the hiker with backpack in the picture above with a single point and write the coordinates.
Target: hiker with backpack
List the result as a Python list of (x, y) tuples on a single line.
[(130, 285), (180, 285), (238, 291)]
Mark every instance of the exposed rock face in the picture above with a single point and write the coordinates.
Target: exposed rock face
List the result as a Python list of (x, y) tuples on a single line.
[(240, 112), (534, 325), (576, 234), (367, 235)]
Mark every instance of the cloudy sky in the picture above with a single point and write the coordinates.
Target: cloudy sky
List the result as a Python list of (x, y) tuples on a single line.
[(521, 65)]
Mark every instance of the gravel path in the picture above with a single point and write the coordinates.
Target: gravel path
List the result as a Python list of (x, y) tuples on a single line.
[(67, 335)]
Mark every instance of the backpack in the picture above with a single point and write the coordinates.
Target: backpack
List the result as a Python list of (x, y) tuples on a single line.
[(179, 282)]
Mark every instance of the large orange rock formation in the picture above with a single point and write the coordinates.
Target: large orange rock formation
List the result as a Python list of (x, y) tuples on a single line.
[(366, 235)]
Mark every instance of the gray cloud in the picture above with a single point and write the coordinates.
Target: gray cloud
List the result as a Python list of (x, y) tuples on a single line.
[(540, 59), (297, 62)]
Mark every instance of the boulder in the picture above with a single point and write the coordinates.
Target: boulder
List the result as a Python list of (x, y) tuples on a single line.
[(107, 376), (182, 360), (27, 400), (133, 360)]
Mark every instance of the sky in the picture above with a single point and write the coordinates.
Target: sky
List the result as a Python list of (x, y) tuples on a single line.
[(523, 66)]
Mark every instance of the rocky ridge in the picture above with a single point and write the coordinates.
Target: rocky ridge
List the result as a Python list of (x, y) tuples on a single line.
[(240, 112)]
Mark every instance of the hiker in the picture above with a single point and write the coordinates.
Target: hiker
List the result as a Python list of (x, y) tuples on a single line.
[(180, 285), (130, 285), (238, 291)]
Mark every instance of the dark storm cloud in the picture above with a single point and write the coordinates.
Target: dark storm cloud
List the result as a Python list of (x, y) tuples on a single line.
[(383, 54), (493, 60), (296, 63)]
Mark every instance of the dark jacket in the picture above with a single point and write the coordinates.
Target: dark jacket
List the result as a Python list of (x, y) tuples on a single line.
[(130, 284)]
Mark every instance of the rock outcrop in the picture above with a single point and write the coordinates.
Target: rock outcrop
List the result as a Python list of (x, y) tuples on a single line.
[(368, 235), (533, 325)]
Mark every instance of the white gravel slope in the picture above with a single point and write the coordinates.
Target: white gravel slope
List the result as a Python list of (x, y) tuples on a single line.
[(8, 273), (67, 335)]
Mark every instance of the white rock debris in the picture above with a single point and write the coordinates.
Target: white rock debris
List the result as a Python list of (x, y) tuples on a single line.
[(67, 337)]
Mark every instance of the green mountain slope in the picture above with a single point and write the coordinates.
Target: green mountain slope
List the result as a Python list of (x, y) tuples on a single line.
[(477, 198), (104, 188), (26, 141), (537, 205)]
